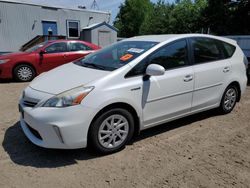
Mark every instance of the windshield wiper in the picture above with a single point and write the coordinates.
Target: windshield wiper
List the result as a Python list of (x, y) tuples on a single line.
[(94, 65)]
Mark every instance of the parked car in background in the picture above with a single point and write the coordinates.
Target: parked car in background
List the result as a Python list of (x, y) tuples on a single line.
[(24, 66), (112, 94), (2, 53)]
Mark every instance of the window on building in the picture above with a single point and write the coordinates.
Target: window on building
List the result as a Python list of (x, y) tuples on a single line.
[(73, 29)]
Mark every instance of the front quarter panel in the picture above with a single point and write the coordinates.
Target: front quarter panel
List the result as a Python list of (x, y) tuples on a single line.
[(116, 89)]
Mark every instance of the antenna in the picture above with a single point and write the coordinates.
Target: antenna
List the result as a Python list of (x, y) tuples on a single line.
[(94, 5)]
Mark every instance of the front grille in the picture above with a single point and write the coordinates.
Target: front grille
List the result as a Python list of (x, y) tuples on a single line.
[(29, 103), (34, 132)]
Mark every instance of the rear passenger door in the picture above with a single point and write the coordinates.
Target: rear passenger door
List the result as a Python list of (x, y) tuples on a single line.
[(211, 69)]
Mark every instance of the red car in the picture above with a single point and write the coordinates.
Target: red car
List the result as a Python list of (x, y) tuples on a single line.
[(24, 66)]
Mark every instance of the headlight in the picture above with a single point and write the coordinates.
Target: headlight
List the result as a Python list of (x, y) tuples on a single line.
[(69, 98), (3, 61)]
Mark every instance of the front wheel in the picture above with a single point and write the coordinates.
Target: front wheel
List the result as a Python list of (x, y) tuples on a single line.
[(229, 99), (111, 131), (24, 73)]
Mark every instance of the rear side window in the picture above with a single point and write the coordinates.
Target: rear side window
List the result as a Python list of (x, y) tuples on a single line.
[(229, 49), (206, 50), (77, 46)]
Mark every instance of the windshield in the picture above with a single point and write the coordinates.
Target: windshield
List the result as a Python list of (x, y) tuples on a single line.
[(116, 55), (34, 48)]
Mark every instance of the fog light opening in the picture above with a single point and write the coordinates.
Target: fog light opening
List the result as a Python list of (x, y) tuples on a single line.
[(58, 132)]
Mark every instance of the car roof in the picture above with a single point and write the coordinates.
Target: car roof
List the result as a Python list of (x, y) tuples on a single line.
[(152, 38), (163, 38), (81, 41), (65, 40)]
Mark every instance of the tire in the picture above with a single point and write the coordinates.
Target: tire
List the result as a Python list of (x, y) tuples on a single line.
[(229, 99), (24, 73), (104, 137)]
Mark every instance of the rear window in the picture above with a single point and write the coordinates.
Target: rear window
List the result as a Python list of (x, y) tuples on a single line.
[(229, 49)]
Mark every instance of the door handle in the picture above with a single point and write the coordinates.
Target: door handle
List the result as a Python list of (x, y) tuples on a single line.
[(226, 69), (64, 55), (188, 78)]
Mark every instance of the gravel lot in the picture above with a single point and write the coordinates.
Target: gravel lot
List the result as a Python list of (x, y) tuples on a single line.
[(204, 150)]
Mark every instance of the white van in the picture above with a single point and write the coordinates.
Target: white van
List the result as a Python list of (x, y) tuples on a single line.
[(137, 83)]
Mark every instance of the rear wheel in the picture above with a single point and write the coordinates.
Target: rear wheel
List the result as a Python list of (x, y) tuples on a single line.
[(111, 131), (24, 73), (229, 99)]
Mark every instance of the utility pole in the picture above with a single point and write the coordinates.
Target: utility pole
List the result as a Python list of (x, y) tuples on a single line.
[(94, 5)]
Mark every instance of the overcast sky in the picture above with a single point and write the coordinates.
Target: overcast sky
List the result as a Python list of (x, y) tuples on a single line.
[(106, 5)]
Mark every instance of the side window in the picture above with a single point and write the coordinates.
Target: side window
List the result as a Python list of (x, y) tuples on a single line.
[(77, 46), (229, 49), (171, 56), (57, 48), (139, 69), (206, 50)]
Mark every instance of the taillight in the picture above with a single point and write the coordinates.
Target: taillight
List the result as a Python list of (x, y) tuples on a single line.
[(246, 62)]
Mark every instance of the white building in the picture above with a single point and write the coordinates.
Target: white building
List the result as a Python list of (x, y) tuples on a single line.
[(20, 22)]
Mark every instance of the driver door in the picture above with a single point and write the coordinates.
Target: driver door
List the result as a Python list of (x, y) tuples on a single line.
[(168, 96), (54, 56)]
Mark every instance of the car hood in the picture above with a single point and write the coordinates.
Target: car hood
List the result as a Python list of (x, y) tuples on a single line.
[(66, 77), (11, 55)]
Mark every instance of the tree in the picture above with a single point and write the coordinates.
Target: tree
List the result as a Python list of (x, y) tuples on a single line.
[(220, 17), (186, 16), (157, 21), (131, 16), (240, 17), (227, 17), (216, 16), (182, 17)]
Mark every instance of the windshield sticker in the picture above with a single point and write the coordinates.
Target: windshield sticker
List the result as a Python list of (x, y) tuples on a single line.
[(135, 50), (126, 57)]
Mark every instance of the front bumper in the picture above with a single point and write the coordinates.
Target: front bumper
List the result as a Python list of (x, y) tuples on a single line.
[(61, 128), (5, 72)]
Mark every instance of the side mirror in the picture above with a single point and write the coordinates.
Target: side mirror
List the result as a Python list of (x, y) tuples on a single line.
[(155, 70), (42, 52)]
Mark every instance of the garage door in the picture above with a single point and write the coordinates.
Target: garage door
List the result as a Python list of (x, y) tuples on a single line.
[(104, 38)]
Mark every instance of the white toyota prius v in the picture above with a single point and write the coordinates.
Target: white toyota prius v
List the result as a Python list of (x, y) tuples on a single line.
[(109, 96)]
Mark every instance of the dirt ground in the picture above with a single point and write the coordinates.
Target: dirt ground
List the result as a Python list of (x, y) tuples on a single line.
[(204, 150)]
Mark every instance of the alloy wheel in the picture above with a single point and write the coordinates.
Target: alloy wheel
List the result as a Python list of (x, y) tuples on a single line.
[(113, 131), (230, 99), (24, 73)]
